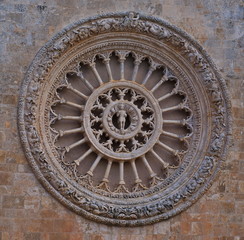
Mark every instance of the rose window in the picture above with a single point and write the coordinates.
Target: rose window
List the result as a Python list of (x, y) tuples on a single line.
[(121, 123), (124, 119)]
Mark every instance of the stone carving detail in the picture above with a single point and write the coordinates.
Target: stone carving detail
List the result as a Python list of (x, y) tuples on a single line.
[(127, 118), (122, 121), (121, 130)]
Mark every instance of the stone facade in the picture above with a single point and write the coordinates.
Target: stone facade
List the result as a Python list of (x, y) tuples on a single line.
[(27, 210)]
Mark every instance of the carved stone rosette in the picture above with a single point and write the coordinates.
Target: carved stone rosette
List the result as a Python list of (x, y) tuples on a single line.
[(124, 119)]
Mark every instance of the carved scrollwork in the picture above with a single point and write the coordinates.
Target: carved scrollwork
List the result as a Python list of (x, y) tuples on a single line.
[(121, 130)]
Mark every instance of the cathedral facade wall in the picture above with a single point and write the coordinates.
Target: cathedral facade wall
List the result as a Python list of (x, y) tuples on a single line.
[(27, 210)]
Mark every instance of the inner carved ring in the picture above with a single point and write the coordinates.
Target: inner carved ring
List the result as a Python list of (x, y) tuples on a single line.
[(121, 119)]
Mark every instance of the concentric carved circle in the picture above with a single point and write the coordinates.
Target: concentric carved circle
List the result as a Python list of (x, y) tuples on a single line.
[(124, 119)]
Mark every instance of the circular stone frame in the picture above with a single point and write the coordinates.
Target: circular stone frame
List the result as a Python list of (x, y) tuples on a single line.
[(167, 198)]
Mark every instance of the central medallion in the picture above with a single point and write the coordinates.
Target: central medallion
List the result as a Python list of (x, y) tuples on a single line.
[(120, 120), (124, 119)]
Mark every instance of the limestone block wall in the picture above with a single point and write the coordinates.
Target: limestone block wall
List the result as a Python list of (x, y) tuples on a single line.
[(27, 211)]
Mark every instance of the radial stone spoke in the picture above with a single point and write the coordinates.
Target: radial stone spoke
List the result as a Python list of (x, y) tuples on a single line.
[(121, 173), (93, 67), (160, 159), (151, 69), (94, 165), (77, 118), (106, 61), (85, 81), (105, 178), (76, 91), (163, 79), (68, 148), (75, 130), (171, 150), (175, 122), (173, 135), (122, 67), (63, 101), (167, 95), (151, 172), (137, 179), (122, 57), (135, 70), (172, 108), (81, 158)]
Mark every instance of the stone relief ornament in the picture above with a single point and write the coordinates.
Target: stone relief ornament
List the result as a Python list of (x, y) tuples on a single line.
[(124, 119)]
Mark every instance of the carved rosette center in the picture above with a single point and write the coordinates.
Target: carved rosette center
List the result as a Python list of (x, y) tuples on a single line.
[(121, 119), (121, 130)]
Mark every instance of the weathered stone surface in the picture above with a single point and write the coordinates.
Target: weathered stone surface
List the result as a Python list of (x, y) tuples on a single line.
[(27, 25)]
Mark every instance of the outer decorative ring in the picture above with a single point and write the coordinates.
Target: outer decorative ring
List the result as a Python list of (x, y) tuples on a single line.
[(167, 198)]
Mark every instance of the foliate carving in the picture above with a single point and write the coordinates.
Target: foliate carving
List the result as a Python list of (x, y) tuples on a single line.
[(121, 130)]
